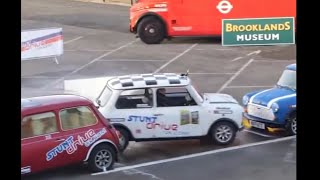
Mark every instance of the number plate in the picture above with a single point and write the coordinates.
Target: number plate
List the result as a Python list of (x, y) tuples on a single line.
[(257, 125)]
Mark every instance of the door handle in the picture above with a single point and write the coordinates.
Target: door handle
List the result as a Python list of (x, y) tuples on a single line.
[(158, 114), (58, 140)]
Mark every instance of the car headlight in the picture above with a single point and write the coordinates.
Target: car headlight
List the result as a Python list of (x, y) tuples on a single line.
[(275, 107), (245, 100)]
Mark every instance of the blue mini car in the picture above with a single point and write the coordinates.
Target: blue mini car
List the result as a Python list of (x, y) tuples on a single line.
[(273, 109)]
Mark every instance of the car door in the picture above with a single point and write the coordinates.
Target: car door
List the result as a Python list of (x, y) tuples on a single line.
[(180, 117), (38, 136), (80, 125), (133, 109)]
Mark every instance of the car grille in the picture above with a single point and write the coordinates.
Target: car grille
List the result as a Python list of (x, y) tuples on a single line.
[(260, 112)]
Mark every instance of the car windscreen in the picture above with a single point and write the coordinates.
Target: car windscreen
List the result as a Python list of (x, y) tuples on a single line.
[(104, 96), (288, 79)]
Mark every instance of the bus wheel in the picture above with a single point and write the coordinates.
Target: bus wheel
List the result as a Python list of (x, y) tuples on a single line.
[(151, 30)]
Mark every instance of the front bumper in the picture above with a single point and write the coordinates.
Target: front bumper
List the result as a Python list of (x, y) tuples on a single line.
[(250, 122)]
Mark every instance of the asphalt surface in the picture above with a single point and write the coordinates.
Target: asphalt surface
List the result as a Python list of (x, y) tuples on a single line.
[(98, 44), (273, 160), (264, 162)]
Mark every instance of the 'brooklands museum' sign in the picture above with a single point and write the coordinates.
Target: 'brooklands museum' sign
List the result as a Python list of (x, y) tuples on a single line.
[(258, 31)]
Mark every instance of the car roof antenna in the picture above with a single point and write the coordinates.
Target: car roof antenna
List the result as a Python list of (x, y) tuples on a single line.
[(186, 74)]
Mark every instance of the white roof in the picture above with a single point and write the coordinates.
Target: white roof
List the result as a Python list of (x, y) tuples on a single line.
[(135, 81)]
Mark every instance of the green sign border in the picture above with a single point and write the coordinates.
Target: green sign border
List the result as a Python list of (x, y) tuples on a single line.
[(242, 19)]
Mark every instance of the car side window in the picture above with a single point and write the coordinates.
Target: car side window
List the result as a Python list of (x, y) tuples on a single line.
[(38, 124), (136, 98), (174, 96), (77, 117)]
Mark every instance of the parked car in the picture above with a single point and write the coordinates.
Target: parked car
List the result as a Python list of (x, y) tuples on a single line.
[(273, 109), (59, 130), (166, 106)]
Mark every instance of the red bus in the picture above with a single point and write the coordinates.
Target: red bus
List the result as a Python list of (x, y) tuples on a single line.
[(155, 20)]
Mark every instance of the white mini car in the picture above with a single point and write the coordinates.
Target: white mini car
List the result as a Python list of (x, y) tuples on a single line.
[(166, 106)]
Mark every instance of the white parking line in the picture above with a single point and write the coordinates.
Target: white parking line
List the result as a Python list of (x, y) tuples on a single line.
[(195, 155), (85, 65), (75, 39), (234, 76), (249, 54), (257, 133), (254, 52), (236, 59), (175, 58), (248, 87)]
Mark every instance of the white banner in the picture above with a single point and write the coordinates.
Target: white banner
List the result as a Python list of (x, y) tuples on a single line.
[(41, 43)]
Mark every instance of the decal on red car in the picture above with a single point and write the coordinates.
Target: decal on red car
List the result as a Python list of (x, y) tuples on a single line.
[(70, 145)]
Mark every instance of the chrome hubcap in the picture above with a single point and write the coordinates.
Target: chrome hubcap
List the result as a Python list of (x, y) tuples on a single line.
[(294, 125), (103, 159), (151, 31), (223, 133)]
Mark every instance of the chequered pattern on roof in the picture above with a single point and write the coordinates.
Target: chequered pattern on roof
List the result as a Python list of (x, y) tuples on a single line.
[(144, 80)]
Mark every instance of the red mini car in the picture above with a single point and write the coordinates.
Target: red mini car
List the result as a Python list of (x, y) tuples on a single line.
[(59, 130)]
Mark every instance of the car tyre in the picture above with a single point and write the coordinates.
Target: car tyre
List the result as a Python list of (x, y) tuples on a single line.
[(124, 140), (151, 30), (223, 133), (292, 125), (102, 157)]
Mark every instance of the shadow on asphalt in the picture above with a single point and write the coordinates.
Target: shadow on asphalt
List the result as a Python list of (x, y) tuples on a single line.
[(192, 40)]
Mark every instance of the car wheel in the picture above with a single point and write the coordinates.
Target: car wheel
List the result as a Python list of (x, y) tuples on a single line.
[(223, 133), (151, 30), (292, 125), (124, 140), (102, 157)]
